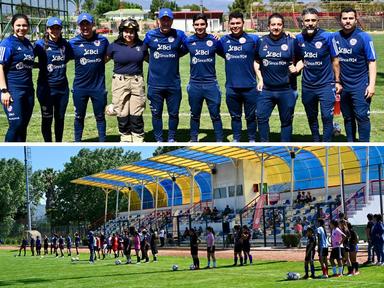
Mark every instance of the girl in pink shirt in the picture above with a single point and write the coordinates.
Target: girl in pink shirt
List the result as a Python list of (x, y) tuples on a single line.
[(337, 248), (211, 247)]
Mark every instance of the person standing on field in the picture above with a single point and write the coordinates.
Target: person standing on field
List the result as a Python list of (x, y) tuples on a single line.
[(165, 49), (128, 97), (357, 75)]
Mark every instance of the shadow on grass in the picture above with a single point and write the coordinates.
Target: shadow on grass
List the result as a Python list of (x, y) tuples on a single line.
[(24, 281), (207, 135)]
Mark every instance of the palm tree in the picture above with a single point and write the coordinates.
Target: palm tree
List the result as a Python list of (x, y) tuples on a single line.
[(77, 4)]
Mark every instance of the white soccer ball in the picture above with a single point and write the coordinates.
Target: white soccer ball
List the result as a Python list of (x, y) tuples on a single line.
[(118, 262), (192, 267), (73, 259), (175, 267), (293, 276), (336, 129)]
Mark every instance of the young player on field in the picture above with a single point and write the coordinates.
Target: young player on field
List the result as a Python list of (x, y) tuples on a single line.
[(239, 49), (203, 83), (357, 74), (310, 253), (246, 236), (194, 243), (211, 247), (337, 248), (353, 249), (77, 243), (319, 61), (238, 245), (322, 247), (23, 246)]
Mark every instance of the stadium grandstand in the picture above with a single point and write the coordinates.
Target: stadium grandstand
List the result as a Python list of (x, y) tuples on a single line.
[(221, 186)]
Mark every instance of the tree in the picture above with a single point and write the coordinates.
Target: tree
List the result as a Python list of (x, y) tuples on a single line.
[(12, 194), (77, 203), (77, 4), (164, 149), (104, 6), (243, 6), (129, 5), (44, 184), (88, 6), (156, 5), (193, 7)]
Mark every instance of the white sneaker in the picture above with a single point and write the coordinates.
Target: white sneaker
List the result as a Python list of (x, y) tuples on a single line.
[(378, 263)]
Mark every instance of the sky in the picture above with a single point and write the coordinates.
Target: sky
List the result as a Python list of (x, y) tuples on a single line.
[(56, 156)]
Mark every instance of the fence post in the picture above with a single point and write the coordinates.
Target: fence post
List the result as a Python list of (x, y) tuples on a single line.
[(284, 220), (264, 229), (274, 227), (178, 230)]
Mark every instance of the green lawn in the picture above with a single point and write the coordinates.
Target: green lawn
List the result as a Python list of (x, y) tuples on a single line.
[(51, 272), (300, 127)]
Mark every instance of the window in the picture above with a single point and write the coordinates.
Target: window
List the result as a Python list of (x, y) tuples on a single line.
[(220, 193), (231, 191), (239, 190)]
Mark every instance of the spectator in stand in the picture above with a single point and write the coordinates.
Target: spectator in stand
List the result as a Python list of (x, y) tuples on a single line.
[(162, 237), (298, 197), (211, 247), (321, 213), (200, 231), (194, 243), (302, 199), (338, 200), (215, 213), (23, 246), (299, 230), (308, 197), (377, 238), (38, 246), (32, 243), (368, 233), (353, 248), (227, 211)]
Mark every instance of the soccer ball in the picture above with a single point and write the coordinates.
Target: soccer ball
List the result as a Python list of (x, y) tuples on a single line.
[(192, 267), (73, 259), (118, 262), (175, 267), (336, 129), (293, 276), (110, 110)]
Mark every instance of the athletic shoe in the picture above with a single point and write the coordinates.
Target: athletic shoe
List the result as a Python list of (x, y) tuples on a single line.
[(382, 264), (378, 263), (367, 262), (356, 273), (339, 275), (305, 277), (138, 263), (324, 276)]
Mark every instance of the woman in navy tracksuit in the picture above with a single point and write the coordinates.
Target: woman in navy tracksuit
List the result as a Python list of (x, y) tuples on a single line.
[(52, 85), (16, 86)]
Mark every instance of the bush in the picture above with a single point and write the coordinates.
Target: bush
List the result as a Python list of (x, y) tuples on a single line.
[(291, 240)]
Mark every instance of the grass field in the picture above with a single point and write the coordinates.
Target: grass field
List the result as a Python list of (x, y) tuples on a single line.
[(51, 272), (301, 132)]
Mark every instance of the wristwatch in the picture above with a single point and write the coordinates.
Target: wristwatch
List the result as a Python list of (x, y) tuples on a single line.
[(4, 90)]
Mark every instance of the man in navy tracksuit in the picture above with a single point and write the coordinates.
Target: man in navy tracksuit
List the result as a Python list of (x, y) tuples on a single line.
[(319, 58), (203, 83), (275, 54), (89, 51), (164, 45), (238, 49), (357, 74)]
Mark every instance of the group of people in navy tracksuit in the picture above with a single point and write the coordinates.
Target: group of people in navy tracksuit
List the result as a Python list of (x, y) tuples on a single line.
[(260, 72)]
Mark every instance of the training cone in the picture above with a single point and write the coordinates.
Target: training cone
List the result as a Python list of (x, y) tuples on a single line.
[(337, 110)]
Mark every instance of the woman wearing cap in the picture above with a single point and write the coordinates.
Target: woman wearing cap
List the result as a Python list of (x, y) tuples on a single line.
[(16, 86), (89, 52), (128, 97), (53, 52)]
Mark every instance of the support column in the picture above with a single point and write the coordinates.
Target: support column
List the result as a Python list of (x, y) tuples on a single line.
[(341, 173), (142, 197), (367, 178), (117, 203), (173, 194), (326, 172), (293, 155), (106, 192), (129, 201)]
